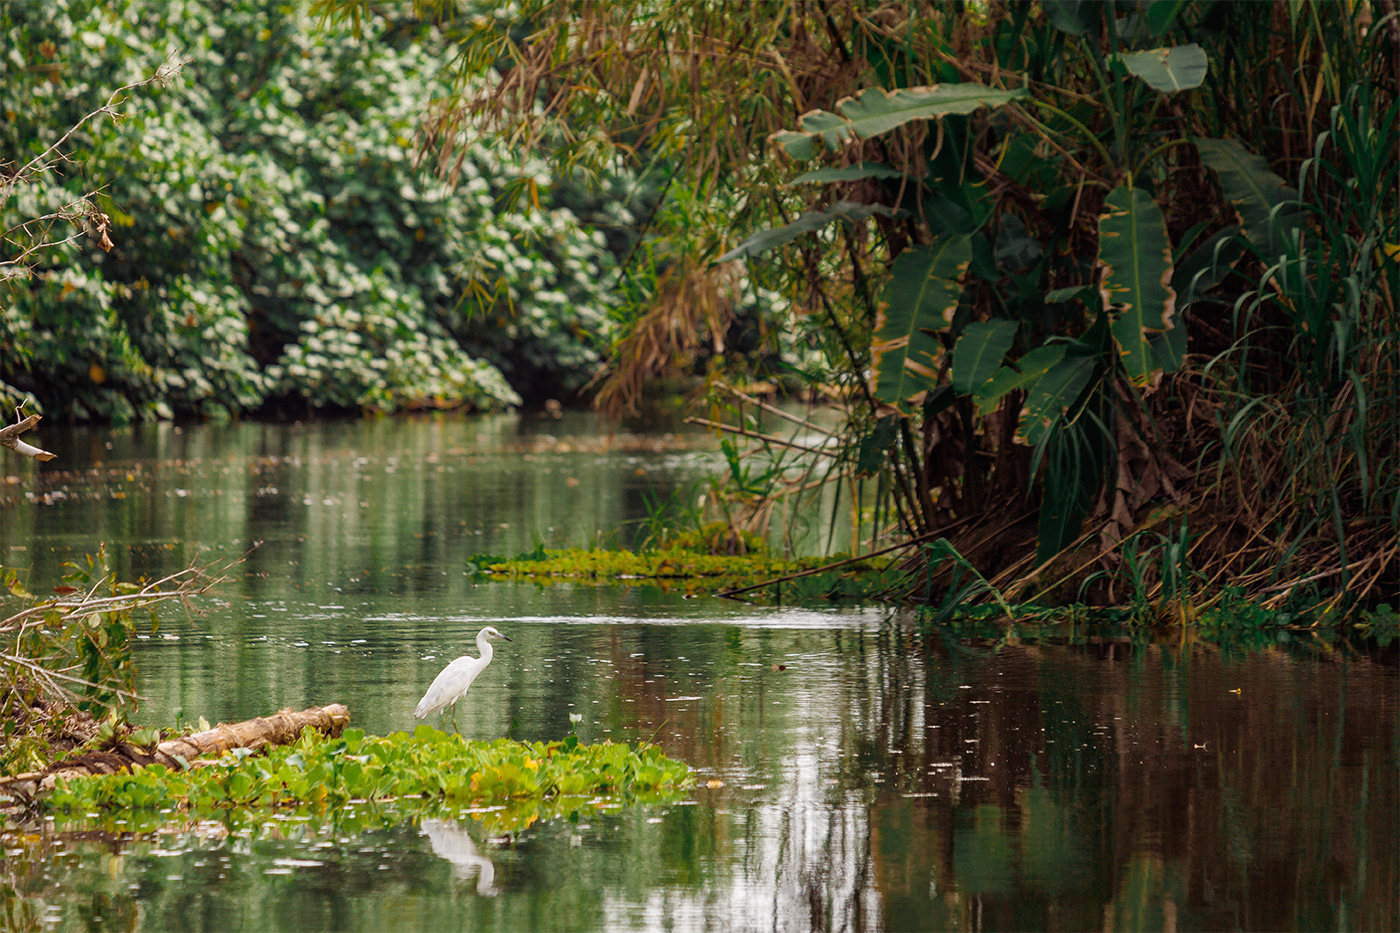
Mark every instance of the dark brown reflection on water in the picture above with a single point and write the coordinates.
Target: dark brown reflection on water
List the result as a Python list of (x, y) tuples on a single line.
[(931, 783), (1111, 786)]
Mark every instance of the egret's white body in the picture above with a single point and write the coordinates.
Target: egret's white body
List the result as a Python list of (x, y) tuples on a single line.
[(456, 677)]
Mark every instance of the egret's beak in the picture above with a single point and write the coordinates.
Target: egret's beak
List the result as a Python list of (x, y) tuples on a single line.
[(506, 637)]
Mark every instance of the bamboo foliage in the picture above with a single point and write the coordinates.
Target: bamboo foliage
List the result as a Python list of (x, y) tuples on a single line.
[(692, 304)]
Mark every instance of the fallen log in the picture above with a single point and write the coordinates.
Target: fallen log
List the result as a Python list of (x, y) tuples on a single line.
[(281, 728)]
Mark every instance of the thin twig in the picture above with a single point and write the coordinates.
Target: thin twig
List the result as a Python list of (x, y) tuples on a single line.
[(771, 409), (910, 542), (766, 438), (34, 667)]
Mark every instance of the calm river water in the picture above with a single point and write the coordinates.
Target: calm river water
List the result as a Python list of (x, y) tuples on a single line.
[(858, 770)]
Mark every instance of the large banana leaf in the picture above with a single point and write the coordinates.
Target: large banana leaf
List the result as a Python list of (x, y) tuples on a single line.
[(1269, 209), (1169, 349), (876, 110), (1026, 372), (1137, 259), (1053, 394), (979, 351), (763, 240), (1170, 69), (921, 296), (855, 172)]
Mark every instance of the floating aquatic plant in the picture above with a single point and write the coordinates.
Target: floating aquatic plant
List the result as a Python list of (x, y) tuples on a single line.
[(430, 765), (691, 570)]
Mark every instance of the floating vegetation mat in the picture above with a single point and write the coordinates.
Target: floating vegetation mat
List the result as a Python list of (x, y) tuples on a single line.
[(690, 570), (430, 770)]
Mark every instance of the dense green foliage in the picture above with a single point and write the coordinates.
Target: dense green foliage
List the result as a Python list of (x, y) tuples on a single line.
[(275, 240), (429, 765), (1073, 267)]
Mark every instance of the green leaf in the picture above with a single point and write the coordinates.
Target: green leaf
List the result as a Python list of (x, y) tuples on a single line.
[(922, 294), (1162, 13), (1269, 209), (144, 737), (1137, 260), (1206, 266), (1053, 394), (850, 173), (1026, 373), (1057, 295), (1169, 69), (1075, 17), (764, 240), (979, 351), (876, 110), (239, 784), (1169, 349)]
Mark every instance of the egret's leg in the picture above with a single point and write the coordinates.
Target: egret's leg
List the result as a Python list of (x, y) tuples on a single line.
[(455, 728)]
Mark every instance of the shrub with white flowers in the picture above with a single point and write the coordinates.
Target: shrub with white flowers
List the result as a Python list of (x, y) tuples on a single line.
[(277, 240)]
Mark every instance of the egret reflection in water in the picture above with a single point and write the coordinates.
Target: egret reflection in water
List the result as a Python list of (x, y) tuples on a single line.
[(450, 841)]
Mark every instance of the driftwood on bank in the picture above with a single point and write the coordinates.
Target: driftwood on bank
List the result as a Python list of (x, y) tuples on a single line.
[(282, 728)]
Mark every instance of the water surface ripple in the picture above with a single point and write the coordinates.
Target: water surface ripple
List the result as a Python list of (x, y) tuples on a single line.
[(857, 770)]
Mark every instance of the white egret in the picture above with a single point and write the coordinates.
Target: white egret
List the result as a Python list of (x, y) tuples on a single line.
[(449, 686)]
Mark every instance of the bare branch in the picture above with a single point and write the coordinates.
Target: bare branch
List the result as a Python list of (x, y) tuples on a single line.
[(192, 581), (766, 438), (54, 155), (44, 674), (9, 437), (83, 213)]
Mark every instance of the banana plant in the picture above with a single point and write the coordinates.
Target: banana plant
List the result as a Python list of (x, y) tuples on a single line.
[(876, 111), (1138, 303)]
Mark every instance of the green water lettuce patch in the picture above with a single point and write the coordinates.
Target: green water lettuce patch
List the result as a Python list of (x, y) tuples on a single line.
[(430, 766)]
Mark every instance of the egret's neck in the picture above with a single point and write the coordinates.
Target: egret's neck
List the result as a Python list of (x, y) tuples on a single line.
[(483, 644)]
